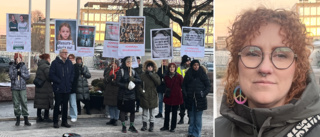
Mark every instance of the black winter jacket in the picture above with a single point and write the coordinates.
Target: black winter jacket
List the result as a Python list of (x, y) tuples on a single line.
[(162, 87), (123, 80), (62, 74)]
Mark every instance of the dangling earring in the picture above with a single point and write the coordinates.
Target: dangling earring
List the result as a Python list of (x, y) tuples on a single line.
[(242, 99)]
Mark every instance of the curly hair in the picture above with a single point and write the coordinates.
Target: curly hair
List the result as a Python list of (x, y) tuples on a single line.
[(246, 27)]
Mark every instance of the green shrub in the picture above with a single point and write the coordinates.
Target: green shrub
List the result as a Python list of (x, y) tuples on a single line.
[(30, 80), (95, 82), (4, 77)]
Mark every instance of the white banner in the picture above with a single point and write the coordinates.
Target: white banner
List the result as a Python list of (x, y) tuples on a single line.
[(111, 40), (132, 34), (86, 40), (66, 35), (18, 33), (161, 43), (192, 41), (134, 62)]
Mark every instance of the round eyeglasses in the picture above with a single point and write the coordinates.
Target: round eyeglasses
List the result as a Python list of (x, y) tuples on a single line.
[(281, 57)]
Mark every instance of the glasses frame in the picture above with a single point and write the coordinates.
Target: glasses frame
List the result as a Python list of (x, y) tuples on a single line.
[(294, 58)]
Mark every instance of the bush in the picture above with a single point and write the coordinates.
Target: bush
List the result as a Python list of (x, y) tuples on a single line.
[(4, 76), (95, 82), (30, 80)]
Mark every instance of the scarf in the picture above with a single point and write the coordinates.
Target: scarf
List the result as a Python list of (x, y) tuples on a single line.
[(115, 72)]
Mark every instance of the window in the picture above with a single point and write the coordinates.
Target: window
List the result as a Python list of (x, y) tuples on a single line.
[(313, 10), (306, 21), (103, 27), (318, 31), (103, 17), (301, 11), (109, 17), (115, 18), (91, 16), (97, 36), (97, 17), (102, 36), (318, 10), (85, 23), (90, 24), (85, 16), (96, 6), (313, 31), (97, 27), (313, 21), (210, 39), (306, 11)]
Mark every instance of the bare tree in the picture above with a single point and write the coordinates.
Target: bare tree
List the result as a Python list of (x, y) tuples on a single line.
[(38, 37), (184, 12), (36, 15)]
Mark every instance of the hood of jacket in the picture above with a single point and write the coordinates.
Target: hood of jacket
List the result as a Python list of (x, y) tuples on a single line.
[(42, 61), (201, 67), (144, 67), (246, 118)]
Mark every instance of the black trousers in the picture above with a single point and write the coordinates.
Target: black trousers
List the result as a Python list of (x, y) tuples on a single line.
[(167, 110), (60, 99), (182, 110), (86, 103), (46, 113)]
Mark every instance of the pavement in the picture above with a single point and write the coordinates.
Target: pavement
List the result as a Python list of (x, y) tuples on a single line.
[(93, 125)]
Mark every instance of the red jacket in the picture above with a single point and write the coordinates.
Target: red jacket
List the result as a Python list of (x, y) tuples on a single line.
[(174, 84)]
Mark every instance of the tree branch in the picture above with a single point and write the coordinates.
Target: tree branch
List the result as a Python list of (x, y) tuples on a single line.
[(201, 6), (201, 14), (169, 14)]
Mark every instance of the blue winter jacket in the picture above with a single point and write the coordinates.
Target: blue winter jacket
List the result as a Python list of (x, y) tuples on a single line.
[(61, 73)]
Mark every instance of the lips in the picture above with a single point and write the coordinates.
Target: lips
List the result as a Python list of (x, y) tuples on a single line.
[(263, 82)]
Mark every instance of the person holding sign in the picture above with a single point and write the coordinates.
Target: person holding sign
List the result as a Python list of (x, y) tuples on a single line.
[(127, 79), (148, 93), (13, 25), (111, 92), (19, 74)]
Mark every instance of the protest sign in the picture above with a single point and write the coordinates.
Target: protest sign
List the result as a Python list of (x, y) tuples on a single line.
[(66, 35), (161, 43), (18, 33), (110, 47), (192, 41), (86, 40), (131, 38)]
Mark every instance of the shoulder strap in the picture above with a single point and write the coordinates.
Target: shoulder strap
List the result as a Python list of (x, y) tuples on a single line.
[(122, 72), (304, 127)]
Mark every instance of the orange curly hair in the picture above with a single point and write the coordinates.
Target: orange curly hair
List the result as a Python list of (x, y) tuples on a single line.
[(246, 27)]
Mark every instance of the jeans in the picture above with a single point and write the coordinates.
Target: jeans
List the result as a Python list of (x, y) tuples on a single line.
[(145, 113), (160, 97), (73, 112), (19, 98), (60, 98), (114, 112), (195, 121), (174, 110)]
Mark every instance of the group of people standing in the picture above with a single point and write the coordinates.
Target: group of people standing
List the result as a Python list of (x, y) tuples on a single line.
[(65, 81)]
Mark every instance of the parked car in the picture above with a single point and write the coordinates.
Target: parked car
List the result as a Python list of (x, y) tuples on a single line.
[(209, 67), (4, 64)]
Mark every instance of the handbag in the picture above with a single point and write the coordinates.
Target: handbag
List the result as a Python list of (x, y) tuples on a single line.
[(38, 82), (167, 92)]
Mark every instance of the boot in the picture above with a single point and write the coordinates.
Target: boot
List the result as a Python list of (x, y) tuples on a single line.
[(144, 126), (65, 124), (151, 127), (133, 129), (110, 122), (115, 123), (26, 121), (181, 120), (55, 125), (39, 119), (18, 121), (158, 116), (124, 129)]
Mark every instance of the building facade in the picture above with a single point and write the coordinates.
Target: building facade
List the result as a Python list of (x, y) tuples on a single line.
[(38, 35), (3, 41)]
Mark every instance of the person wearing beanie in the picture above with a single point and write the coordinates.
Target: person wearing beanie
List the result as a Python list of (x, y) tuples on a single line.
[(185, 64), (127, 95), (173, 97), (195, 88), (19, 74), (139, 71), (43, 98), (162, 71), (111, 93), (148, 93)]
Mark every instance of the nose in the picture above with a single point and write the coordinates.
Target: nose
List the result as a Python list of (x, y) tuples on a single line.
[(266, 66)]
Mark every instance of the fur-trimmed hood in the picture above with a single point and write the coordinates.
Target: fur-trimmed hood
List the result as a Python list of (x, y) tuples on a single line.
[(144, 67)]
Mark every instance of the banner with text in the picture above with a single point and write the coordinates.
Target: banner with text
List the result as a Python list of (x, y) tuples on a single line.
[(161, 43), (111, 40), (192, 41), (86, 40), (132, 34), (66, 35), (18, 33)]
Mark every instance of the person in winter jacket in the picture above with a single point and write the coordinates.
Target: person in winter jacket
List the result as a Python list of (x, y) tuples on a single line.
[(127, 95), (162, 71), (19, 74), (80, 84), (270, 89), (111, 93), (173, 98), (139, 71), (61, 74), (185, 64), (43, 98), (195, 87), (73, 112), (148, 93)]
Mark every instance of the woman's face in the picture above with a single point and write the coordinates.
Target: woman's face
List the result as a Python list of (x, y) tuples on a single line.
[(79, 61), (48, 59), (13, 18), (65, 32), (172, 68), (267, 91), (195, 66), (150, 68), (128, 63)]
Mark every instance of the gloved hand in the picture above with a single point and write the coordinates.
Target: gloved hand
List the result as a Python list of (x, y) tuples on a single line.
[(147, 72), (131, 78), (112, 76), (19, 73), (164, 74), (18, 66)]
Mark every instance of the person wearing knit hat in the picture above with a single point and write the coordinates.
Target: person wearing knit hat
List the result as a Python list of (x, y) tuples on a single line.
[(196, 86), (127, 95), (19, 74), (185, 64)]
